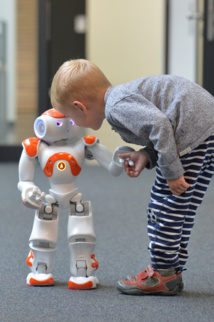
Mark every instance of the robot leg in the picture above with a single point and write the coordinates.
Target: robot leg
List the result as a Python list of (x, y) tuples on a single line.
[(82, 240), (42, 242)]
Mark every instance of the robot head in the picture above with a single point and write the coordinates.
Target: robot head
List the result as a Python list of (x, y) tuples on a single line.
[(52, 126)]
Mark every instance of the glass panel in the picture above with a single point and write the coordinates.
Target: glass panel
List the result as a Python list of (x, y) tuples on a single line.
[(3, 35), (18, 70)]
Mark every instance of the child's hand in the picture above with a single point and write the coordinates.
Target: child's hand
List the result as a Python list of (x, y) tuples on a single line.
[(178, 186), (140, 160)]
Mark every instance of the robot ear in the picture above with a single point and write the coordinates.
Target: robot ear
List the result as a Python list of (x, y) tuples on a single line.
[(40, 127)]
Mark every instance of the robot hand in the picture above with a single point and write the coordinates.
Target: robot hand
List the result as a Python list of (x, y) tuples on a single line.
[(32, 197), (116, 165), (121, 150)]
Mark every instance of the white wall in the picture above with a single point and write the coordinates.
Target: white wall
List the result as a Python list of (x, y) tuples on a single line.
[(8, 14), (125, 38)]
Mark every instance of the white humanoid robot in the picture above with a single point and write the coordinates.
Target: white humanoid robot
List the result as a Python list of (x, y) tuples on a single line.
[(61, 162)]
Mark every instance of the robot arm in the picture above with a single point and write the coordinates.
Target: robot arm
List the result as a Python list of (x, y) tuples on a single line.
[(121, 150), (105, 158), (31, 194)]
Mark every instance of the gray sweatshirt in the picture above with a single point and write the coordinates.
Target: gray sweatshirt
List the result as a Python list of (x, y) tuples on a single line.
[(168, 114)]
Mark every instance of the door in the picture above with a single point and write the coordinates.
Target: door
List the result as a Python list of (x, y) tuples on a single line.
[(190, 40), (184, 34), (61, 37)]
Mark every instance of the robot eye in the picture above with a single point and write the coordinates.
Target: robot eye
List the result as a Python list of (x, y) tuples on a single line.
[(59, 123), (72, 122)]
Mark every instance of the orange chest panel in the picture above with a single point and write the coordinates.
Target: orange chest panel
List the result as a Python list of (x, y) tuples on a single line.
[(74, 166)]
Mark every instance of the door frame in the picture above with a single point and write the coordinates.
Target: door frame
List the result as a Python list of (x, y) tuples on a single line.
[(208, 54)]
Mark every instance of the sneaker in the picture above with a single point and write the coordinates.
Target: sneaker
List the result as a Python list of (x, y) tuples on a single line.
[(83, 283), (151, 282), (39, 279), (179, 280)]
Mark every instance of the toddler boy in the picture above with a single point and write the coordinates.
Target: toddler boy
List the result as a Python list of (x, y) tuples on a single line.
[(172, 120)]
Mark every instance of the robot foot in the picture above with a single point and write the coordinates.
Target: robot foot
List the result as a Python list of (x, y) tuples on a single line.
[(39, 279), (83, 283)]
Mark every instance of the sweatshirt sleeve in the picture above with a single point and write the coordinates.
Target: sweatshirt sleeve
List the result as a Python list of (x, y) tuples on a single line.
[(149, 126), (152, 156)]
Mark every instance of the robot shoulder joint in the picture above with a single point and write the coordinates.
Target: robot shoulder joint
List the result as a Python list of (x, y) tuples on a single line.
[(90, 140), (30, 146)]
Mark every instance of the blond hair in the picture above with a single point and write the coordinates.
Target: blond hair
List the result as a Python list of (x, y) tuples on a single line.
[(77, 79)]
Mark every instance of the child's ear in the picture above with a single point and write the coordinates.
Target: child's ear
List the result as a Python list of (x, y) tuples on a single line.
[(82, 107)]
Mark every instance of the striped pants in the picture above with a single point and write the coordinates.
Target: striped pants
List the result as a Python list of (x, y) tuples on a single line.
[(170, 217)]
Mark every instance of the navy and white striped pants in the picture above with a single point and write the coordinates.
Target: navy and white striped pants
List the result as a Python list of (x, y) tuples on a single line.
[(170, 217)]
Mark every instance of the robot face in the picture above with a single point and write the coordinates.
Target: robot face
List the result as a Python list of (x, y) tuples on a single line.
[(53, 126)]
